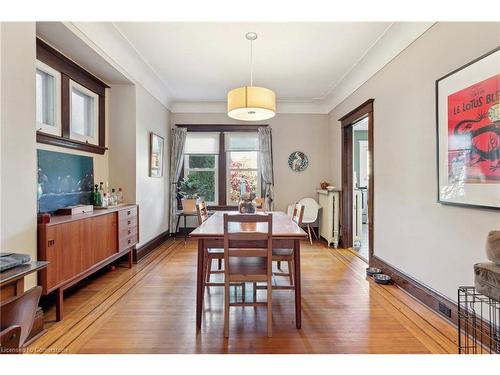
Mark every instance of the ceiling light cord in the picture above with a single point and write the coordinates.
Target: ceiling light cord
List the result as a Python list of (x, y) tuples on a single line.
[(251, 63)]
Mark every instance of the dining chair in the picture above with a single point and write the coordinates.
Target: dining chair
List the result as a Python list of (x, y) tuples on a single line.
[(286, 255), (17, 315), (311, 210), (248, 258), (212, 253)]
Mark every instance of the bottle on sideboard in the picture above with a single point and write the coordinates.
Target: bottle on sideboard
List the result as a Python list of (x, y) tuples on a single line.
[(105, 200), (120, 196), (96, 197), (112, 198)]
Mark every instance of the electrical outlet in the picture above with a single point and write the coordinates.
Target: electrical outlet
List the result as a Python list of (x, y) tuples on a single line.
[(445, 310)]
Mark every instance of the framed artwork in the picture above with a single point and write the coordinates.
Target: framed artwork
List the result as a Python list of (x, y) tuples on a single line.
[(468, 134), (156, 147), (298, 161)]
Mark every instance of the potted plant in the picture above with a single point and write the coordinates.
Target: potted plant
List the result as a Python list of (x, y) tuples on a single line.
[(190, 189)]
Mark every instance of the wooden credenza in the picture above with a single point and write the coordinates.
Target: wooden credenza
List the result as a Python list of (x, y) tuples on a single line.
[(78, 245)]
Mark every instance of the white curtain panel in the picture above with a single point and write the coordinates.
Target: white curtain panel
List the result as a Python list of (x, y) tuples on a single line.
[(266, 159), (178, 141)]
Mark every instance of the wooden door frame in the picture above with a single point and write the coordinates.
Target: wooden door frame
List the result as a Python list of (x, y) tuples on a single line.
[(347, 121)]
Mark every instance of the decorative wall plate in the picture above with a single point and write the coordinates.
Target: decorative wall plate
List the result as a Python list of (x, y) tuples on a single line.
[(298, 161)]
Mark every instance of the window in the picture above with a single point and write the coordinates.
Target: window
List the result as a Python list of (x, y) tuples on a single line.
[(201, 163), (70, 103), (48, 98), (242, 164), (223, 162), (84, 112)]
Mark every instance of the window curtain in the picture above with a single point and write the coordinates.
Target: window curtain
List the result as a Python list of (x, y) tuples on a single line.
[(177, 144), (266, 160)]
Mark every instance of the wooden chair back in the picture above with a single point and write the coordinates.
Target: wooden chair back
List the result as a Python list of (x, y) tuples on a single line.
[(298, 213), (17, 316), (202, 210), (248, 236)]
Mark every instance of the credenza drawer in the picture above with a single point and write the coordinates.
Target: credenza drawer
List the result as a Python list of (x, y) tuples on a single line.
[(127, 222), (128, 213), (127, 241), (127, 231)]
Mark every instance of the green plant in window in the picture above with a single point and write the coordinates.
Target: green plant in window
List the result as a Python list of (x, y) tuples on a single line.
[(193, 186)]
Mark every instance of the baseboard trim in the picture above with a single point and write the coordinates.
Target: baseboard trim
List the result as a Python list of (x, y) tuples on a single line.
[(423, 293), (148, 247)]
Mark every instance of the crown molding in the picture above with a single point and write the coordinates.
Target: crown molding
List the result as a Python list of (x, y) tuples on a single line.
[(395, 39), (110, 43)]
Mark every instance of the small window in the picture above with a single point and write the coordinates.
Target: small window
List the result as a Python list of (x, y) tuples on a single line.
[(83, 114), (48, 99)]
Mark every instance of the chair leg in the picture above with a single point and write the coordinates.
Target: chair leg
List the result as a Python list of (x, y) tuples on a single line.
[(243, 292), (226, 310), (269, 308), (309, 232), (208, 262), (290, 271), (315, 234), (279, 264), (254, 292)]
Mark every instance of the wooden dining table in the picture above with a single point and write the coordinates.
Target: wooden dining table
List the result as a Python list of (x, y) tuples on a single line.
[(286, 235)]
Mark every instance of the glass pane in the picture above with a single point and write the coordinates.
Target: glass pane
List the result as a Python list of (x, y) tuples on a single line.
[(82, 113), (201, 161), (206, 180), (243, 159), (45, 101), (235, 179), (244, 141), (202, 143)]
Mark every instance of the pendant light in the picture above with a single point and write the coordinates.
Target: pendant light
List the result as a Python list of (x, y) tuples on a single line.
[(251, 103)]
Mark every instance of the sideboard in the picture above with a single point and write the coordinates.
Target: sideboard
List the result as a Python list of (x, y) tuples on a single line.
[(78, 245)]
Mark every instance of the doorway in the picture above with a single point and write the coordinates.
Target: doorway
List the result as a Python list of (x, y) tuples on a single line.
[(357, 181)]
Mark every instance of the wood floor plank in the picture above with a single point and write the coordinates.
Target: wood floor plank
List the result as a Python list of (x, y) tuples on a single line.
[(151, 309)]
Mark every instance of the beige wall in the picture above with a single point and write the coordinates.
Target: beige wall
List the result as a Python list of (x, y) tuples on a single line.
[(433, 243), (122, 137), (18, 147), (152, 192), (291, 132)]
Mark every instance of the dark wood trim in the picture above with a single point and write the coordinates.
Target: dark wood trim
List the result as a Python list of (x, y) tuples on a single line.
[(357, 113), (71, 71), (142, 251), (69, 143), (347, 121), (423, 293), (222, 169), (65, 107), (58, 61), (220, 127)]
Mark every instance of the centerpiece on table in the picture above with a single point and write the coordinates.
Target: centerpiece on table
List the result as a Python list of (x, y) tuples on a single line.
[(247, 204)]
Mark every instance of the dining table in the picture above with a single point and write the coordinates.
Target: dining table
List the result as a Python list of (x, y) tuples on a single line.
[(286, 234)]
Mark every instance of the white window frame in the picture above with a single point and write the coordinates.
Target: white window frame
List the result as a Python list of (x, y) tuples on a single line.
[(187, 170), (84, 138), (228, 175), (55, 129)]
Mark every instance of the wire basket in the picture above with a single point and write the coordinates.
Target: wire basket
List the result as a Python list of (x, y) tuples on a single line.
[(478, 323)]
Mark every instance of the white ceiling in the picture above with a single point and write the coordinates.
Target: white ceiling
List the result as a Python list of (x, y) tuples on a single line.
[(302, 62)]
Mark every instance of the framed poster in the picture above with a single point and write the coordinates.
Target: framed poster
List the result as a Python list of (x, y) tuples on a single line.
[(468, 134), (156, 146)]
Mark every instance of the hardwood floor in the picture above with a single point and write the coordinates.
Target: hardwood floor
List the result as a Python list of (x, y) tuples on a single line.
[(151, 309)]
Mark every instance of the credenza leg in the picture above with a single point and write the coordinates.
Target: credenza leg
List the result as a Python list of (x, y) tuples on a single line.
[(59, 304), (130, 258)]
